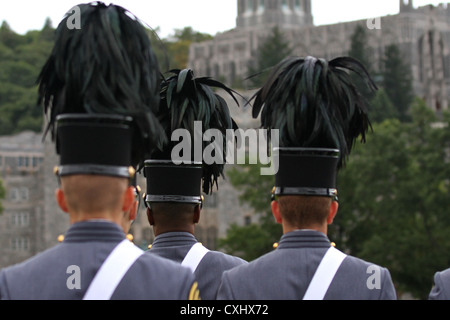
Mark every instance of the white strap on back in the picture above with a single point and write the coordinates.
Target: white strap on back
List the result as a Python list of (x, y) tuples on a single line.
[(324, 274), (112, 271), (194, 256)]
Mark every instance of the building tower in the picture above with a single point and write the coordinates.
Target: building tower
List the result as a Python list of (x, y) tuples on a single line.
[(406, 6), (287, 14)]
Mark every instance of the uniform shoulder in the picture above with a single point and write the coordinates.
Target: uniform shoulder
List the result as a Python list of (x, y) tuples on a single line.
[(266, 262), (444, 275), (162, 265), (363, 264), (33, 263), (160, 278), (224, 258), (441, 288)]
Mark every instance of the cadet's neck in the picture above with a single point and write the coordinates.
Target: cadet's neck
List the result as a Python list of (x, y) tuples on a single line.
[(289, 228), (108, 216), (160, 229)]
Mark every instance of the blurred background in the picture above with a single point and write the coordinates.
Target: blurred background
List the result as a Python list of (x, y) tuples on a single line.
[(393, 192)]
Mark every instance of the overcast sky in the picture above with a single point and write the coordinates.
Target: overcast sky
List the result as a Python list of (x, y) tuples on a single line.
[(208, 16)]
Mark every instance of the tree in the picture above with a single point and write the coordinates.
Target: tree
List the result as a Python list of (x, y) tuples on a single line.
[(394, 200), (173, 52), (271, 51), (252, 241), (22, 57), (360, 50), (381, 107), (8, 37), (397, 80), (359, 47)]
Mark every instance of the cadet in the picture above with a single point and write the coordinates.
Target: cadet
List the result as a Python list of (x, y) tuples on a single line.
[(174, 191), (319, 114), (441, 289), (98, 87)]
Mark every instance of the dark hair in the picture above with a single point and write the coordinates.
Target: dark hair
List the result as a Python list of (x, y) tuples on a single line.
[(304, 212)]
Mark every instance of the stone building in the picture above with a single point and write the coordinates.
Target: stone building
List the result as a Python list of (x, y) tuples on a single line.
[(422, 34), (21, 172)]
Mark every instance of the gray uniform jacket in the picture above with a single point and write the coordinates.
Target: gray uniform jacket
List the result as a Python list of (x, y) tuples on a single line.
[(441, 289), (285, 274), (46, 276), (175, 246)]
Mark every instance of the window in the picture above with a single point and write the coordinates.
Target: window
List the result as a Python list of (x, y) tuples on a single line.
[(20, 244), (298, 5), (261, 6), (250, 7), (36, 161), (285, 5), (20, 161), (23, 162), (20, 219), (26, 162), (14, 194), (24, 193)]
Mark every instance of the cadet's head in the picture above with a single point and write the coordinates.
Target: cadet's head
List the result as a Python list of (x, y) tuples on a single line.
[(95, 172), (101, 112), (319, 113), (172, 216), (304, 212), (173, 195), (87, 197)]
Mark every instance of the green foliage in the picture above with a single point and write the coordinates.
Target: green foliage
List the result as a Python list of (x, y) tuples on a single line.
[(252, 241), (173, 52), (381, 107), (21, 59), (272, 50), (394, 200), (394, 79), (397, 80), (23, 56), (359, 48)]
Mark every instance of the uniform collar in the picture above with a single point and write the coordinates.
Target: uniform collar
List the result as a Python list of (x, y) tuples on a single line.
[(172, 239), (94, 230), (304, 239)]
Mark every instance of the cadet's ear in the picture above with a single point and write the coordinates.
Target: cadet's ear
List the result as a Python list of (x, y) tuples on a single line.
[(197, 210), (333, 211), (150, 216), (129, 198), (133, 211), (276, 211), (61, 200)]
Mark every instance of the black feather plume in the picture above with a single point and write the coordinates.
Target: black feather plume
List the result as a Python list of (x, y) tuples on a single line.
[(107, 66), (314, 103), (186, 99)]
